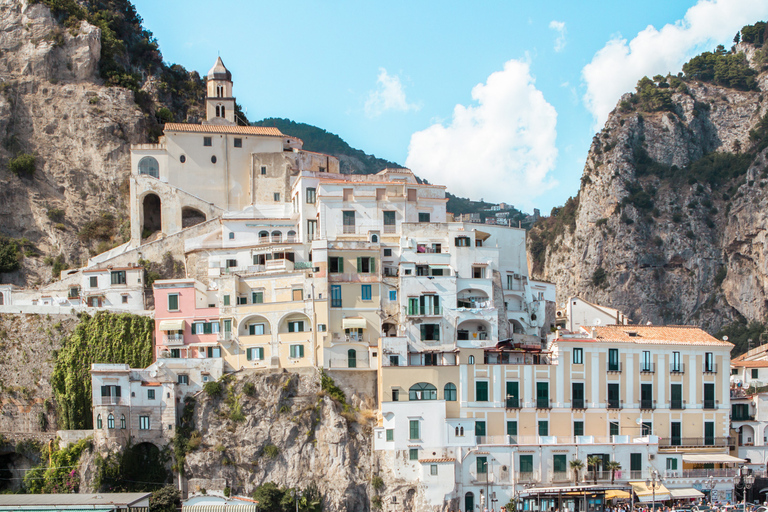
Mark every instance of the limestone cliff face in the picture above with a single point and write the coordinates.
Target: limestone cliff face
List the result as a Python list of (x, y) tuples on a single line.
[(291, 434), (675, 247), (52, 104)]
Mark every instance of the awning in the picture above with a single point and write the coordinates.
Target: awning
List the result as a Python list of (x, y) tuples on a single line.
[(681, 494), (481, 235), (204, 344), (704, 458), (172, 325), (355, 322), (220, 508), (617, 494), (645, 494)]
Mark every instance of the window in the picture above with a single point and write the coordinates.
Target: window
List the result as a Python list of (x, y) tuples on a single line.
[(430, 332), (366, 265), (390, 434), (543, 428), (321, 328), (449, 392), (374, 238), (226, 300), (676, 396), (578, 356), (542, 395), (183, 378), (311, 195), (478, 272), (646, 397), (392, 295), (150, 394), (311, 229), (257, 297), (613, 359), (98, 421), (175, 353), (387, 252), (709, 362), (480, 428), (213, 159), (635, 464), (365, 290), (413, 454), (111, 421), (125, 299), (238, 142), (709, 433), (296, 326), (231, 263), (433, 469), (213, 352), (423, 217), (335, 296), (263, 170), (613, 428), (512, 428), (298, 294), (422, 391), (336, 265), (395, 395), (559, 464), (646, 428), (207, 141), (242, 299), (645, 362), (482, 465), (461, 241), (754, 373), (231, 236), (348, 221), (413, 306), (389, 221), (143, 422), (481, 391), (526, 463), (276, 196), (471, 360), (414, 430), (296, 351), (173, 301), (149, 167), (578, 428), (577, 396), (671, 464), (256, 329), (122, 421), (613, 396), (182, 159), (255, 354), (709, 396), (412, 194), (93, 282), (117, 276)]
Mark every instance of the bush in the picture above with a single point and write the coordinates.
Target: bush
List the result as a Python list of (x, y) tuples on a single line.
[(600, 278), (9, 254), (249, 389), (22, 165), (55, 214), (101, 228), (212, 389), (720, 276), (377, 483), (270, 451), (165, 499)]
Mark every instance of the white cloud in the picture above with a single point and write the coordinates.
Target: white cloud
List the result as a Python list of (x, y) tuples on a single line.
[(616, 68), (499, 149), (559, 27), (389, 95)]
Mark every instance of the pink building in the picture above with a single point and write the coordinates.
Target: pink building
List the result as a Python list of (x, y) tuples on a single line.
[(186, 320)]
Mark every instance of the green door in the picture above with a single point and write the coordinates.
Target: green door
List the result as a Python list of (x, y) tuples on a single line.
[(469, 502), (709, 433), (542, 395), (513, 395), (675, 433), (709, 396), (351, 358), (676, 396)]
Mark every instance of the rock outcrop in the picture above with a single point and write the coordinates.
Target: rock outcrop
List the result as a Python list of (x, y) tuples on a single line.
[(659, 228)]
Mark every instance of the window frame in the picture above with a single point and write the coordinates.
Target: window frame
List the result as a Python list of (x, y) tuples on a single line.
[(310, 195), (173, 296), (578, 355)]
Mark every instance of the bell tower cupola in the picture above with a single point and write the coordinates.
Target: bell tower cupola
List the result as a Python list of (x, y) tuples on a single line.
[(219, 103)]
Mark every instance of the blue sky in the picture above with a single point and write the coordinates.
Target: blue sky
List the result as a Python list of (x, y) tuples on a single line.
[(497, 100)]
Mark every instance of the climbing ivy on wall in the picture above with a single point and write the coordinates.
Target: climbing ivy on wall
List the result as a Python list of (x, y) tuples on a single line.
[(103, 338)]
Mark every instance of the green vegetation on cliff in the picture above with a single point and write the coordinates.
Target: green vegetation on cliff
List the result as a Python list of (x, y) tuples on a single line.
[(60, 476), (103, 338)]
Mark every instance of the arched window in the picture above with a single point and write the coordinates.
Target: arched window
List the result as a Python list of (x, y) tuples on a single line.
[(263, 237), (374, 239), (223, 114), (471, 360), (449, 392), (461, 431), (98, 421), (277, 236), (122, 421), (110, 421), (291, 236), (149, 166), (422, 391), (2, 299), (219, 91), (218, 111)]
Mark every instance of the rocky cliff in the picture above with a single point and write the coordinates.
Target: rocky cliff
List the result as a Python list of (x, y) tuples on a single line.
[(669, 224)]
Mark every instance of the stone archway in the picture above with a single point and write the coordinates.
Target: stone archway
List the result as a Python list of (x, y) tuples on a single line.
[(191, 217), (152, 209)]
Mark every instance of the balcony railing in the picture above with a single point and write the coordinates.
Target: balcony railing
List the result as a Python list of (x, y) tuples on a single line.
[(615, 404), (173, 339), (526, 476), (614, 367), (710, 404), (225, 336), (390, 228), (742, 417), (677, 404), (710, 368), (647, 404), (578, 403), (646, 367), (349, 230), (702, 473), (676, 367), (556, 440), (636, 474), (390, 271), (665, 442), (111, 400), (560, 476), (513, 403), (543, 403)]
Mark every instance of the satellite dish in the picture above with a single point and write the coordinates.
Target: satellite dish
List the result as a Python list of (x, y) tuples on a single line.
[(638, 421), (597, 321), (725, 338)]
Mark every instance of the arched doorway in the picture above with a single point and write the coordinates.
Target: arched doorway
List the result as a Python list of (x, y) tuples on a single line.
[(469, 502), (152, 215), (191, 217), (351, 358)]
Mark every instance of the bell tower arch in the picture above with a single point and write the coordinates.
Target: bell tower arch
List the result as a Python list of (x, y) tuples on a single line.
[(219, 102)]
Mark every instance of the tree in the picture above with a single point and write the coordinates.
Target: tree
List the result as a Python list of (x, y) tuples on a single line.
[(595, 461), (576, 465), (22, 165), (165, 499), (613, 466), (9, 255)]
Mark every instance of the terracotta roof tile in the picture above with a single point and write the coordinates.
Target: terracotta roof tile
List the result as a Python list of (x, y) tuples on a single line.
[(656, 334), (750, 364), (270, 131)]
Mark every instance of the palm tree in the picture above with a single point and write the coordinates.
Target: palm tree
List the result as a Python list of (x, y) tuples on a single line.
[(613, 466), (576, 465), (594, 461)]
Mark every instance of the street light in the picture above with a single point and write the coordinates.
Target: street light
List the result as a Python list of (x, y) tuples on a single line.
[(653, 483), (710, 484), (296, 498), (744, 482)]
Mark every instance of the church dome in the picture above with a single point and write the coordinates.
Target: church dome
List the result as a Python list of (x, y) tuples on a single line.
[(219, 71)]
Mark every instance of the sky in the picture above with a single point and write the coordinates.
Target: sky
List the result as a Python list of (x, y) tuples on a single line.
[(497, 100)]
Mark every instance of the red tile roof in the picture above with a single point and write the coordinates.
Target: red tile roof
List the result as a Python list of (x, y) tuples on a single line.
[(270, 131), (652, 334)]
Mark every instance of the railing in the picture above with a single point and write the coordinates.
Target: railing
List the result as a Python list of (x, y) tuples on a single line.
[(677, 404), (352, 337), (710, 404), (647, 404), (346, 362), (390, 228), (693, 441), (527, 477), (438, 311), (173, 339), (741, 417), (74, 293), (646, 367), (517, 358), (513, 403), (614, 368), (578, 403), (390, 271), (615, 404), (555, 440), (225, 336), (427, 250), (111, 400), (560, 476), (710, 368), (543, 403), (474, 303), (636, 474), (349, 230), (676, 367), (702, 473)]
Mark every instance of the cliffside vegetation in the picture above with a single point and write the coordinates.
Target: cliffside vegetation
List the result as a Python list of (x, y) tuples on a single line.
[(103, 338), (61, 475)]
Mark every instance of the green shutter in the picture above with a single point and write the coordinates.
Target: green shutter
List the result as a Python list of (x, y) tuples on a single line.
[(290, 327), (479, 428), (481, 391), (422, 305), (248, 354), (482, 465), (436, 332), (423, 331), (511, 428), (390, 434), (228, 325), (543, 428), (436, 305), (359, 265), (373, 266), (226, 300), (559, 463), (413, 304), (301, 350), (207, 328), (414, 429), (526, 463)]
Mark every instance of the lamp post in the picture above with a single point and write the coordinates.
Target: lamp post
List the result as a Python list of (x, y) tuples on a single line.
[(296, 498), (653, 483), (710, 484), (744, 482)]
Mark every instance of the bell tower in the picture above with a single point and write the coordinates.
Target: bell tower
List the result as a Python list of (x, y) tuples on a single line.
[(219, 102)]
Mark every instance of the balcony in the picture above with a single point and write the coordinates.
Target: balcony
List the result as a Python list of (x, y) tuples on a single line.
[(111, 400), (615, 403), (390, 229), (349, 230), (702, 473), (560, 476), (647, 404), (171, 340), (710, 404), (353, 337), (693, 442), (647, 367), (676, 368), (527, 477), (360, 362), (390, 271), (743, 417), (677, 404), (614, 367), (710, 368), (543, 403), (513, 403), (225, 336), (578, 403)]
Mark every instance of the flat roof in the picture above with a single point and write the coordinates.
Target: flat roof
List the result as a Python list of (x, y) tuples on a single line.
[(100, 499)]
